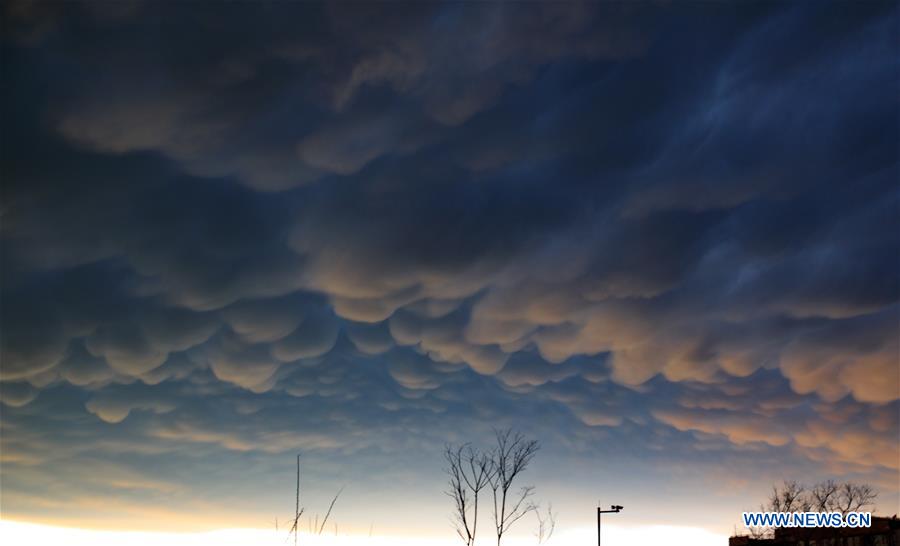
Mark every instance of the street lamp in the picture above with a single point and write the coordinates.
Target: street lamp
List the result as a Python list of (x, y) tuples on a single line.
[(614, 509)]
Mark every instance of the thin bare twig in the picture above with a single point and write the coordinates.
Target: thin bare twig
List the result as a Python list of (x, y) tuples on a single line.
[(328, 513)]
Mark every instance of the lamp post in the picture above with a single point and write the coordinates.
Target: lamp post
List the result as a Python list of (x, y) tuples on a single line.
[(614, 509)]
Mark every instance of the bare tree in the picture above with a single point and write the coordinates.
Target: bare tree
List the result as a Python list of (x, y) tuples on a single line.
[(790, 497), (511, 457), (825, 496), (546, 524), (758, 532), (852, 497), (459, 492), (469, 472), (481, 468)]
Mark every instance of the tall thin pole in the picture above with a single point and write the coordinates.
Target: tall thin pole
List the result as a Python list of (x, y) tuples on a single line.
[(598, 525), (297, 504), (614, 509)]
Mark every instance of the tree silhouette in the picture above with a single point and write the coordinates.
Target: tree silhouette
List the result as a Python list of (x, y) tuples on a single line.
[(826, 496), (511, 457), (469, 472), (546, 524)]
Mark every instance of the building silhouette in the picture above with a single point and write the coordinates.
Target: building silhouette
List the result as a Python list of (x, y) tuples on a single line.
[(882, 532)]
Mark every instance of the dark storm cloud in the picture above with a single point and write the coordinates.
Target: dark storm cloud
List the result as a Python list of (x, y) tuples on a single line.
[(282, 225)]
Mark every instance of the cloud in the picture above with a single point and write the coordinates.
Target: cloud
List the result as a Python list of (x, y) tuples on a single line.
[(115, 408), (31, 348), (17, 394), (258, 321), (250, 366), (136, 347), (315, 337), (370, 339), (857, 357), (740, 429), (348, 230), (347, 148)]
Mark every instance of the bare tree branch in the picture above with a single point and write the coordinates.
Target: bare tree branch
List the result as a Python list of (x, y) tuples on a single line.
[(546, 524), (481, 468), (511, 457), (298, 511), (852, 497), (790, 497), (459, 492), (328, 513), (825, 496)]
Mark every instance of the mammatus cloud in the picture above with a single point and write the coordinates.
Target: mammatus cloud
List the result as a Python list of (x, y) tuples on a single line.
[(114, 408), (360, 231)]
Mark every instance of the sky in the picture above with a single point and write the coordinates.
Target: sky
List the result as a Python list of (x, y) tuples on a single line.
[(662, 239)]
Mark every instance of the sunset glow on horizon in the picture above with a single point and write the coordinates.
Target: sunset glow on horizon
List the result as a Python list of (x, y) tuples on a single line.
[(22, 533)]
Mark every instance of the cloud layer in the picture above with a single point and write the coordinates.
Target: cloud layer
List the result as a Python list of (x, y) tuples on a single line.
[(349, 229)]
